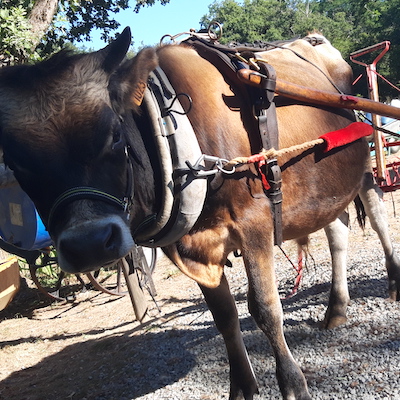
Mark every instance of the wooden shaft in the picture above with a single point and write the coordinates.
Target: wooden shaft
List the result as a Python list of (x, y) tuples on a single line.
[(136, 294), (320, 97), (376, 121)]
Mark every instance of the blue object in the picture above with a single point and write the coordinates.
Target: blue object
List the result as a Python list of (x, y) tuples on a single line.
[(384, 120), (20, 223)]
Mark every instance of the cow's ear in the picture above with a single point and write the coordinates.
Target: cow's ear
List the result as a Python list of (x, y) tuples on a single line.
[(130, 80), (116, 51)]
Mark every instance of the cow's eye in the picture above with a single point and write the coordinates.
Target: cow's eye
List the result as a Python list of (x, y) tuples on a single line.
[(118, 142), (116, 136)]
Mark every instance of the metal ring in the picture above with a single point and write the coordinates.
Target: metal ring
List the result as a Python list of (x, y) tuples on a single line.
[(212, 33)]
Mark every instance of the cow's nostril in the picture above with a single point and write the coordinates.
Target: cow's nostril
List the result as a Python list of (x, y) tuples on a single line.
[(90, 245), (112, 239)]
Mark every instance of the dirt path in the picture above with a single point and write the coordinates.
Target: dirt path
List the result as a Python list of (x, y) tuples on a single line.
[(55, 349)]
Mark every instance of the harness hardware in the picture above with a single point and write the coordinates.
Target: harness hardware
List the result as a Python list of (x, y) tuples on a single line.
[(87, 192), (201, 171)]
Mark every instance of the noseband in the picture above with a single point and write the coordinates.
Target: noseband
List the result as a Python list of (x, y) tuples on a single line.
[(90, 193)]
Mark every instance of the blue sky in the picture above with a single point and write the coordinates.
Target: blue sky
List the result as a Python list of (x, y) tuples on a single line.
[(151, 23)]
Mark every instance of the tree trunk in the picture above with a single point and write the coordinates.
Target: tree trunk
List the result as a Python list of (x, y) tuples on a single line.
[(41, 17)]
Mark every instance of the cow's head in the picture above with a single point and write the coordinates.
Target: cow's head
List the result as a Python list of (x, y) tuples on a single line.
[(64, 125)]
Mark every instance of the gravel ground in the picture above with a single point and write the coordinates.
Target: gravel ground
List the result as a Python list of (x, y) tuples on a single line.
[(360, 360), (181, 356)]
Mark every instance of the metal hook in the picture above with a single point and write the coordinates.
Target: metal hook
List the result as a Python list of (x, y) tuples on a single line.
[(170, 37), (199, 170), (168, 110)]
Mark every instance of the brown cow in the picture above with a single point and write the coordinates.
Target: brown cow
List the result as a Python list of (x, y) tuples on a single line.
[(370, 194), (80, 145)]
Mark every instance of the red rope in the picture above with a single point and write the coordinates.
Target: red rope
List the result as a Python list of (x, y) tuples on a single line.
[(298, 269)]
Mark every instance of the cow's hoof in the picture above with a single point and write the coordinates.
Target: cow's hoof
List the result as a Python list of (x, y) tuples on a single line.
[(394, 295), (246, 393), (333, 321)]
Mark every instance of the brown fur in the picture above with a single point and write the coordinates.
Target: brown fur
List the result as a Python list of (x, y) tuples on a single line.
[(314, 193)]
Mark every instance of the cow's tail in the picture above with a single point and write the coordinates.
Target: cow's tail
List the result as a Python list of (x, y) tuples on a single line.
[(360, 212)]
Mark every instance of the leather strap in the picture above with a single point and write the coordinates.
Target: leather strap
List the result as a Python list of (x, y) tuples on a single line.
[(225, 60), (268, 128), (266, 111), (275, 196)]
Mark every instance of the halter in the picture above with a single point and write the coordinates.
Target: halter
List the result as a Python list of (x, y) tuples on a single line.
[(91, 193)]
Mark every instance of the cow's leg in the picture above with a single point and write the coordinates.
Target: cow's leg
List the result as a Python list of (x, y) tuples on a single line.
[(337, 233), (371, 196), (222, 306), (265, 307)]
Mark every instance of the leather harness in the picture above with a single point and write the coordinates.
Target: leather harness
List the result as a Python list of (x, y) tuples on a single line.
[(228, 60)]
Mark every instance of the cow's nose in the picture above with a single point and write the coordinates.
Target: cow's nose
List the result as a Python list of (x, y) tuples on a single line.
[(90, 245)]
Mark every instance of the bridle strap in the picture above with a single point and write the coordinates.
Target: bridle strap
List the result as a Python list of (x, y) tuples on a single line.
[(84, 192), (87, 192)]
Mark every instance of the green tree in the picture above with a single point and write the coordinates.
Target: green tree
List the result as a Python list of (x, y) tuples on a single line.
[(254, 20), (391, 31), (275, 20), (34, 28), (349, 25), (370, 22), (15, 35)]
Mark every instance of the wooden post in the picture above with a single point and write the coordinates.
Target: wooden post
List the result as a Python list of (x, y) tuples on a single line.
[(374, 95), (9, 281), (136, 294)]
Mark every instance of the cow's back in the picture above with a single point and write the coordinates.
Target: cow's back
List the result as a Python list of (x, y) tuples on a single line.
[(311, 65)]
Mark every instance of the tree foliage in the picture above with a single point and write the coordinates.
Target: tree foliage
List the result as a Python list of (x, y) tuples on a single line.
[(34, 28), (349, 25), (15, 35)]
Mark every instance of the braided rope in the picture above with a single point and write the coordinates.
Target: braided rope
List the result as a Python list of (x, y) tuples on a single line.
[(272, 153)]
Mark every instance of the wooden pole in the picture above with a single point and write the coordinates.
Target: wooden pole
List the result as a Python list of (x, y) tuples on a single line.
[(320, 97), (376, 121)]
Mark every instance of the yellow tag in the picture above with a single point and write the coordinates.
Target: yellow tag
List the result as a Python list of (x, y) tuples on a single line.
[(16, 214), (138, 94)]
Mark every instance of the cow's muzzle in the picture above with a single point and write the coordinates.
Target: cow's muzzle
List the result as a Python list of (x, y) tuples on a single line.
[(93, 244)]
